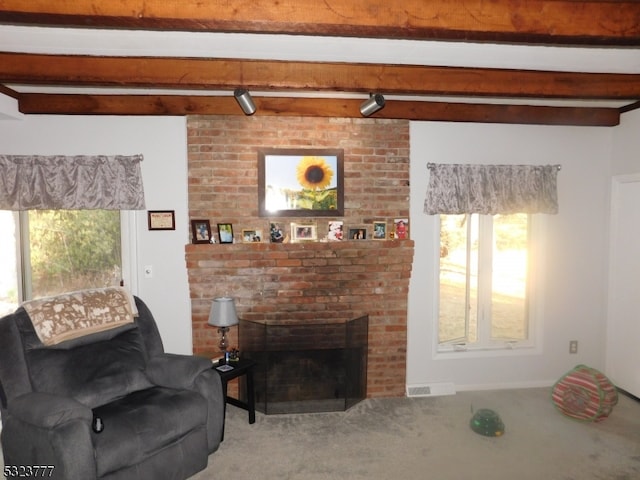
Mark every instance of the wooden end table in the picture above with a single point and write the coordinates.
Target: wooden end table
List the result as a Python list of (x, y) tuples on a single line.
[(242, 367)]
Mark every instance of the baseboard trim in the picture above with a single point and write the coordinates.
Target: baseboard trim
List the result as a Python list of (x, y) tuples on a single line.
[(505, 386), (449, 388)]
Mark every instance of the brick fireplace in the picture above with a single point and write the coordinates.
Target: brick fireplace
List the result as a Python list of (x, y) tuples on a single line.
[(299, 281)]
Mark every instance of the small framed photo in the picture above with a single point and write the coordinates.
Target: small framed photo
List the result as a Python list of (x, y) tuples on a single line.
[(162, 219), (358, 233), (401, 228), (251, 236), (379, 230), (201, 231), (303, 232), (225, 232), (277, 234), (335, 232)]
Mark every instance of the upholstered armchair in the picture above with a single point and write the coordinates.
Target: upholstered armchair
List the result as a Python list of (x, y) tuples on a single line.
[(103, 401)]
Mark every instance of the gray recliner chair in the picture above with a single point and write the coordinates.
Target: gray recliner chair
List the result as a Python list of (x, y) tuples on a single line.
[(162, 414)]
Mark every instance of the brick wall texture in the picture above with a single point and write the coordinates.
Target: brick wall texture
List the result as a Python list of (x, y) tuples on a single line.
[(311, 280)]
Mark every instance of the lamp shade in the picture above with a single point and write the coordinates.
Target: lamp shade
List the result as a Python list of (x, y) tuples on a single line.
[(223, 312)]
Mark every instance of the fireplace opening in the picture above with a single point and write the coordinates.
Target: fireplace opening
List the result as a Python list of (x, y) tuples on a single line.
[(315, 366)]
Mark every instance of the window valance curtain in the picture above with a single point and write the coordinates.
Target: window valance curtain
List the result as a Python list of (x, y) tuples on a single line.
[(71, 182), (491, 189)]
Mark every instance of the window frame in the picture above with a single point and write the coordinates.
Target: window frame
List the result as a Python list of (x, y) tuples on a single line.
[(128, 242), (534, 301)]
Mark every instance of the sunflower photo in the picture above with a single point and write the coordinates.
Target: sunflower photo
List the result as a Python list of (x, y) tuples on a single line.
[(300, 182)]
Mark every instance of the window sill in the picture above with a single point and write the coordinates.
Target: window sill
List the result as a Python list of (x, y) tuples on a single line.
[(487, 352)]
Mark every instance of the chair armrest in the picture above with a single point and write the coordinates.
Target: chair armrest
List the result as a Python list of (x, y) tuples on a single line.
[(209, 385), (47, 429), (46, 410), (176, 371), (193, 373)]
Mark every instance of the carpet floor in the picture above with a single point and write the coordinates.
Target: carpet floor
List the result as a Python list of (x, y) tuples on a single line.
[(430, 438)]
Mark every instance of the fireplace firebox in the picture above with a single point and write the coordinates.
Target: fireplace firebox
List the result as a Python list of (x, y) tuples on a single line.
[(315, 366)]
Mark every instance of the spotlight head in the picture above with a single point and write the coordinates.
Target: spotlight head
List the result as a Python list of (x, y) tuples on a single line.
[(372, 105), (243, 97)]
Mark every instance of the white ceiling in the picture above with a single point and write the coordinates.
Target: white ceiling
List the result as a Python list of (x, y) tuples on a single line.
[(104, 42)]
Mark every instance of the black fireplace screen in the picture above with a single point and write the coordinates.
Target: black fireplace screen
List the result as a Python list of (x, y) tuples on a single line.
[(317, 366)]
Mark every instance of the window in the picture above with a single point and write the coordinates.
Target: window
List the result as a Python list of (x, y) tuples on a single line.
[(8, 272), (47, 252), (484, 282)]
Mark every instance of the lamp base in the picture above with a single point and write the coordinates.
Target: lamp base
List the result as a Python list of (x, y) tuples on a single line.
[(224, 342)]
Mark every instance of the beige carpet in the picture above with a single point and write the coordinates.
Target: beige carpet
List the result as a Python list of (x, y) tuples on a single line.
[(430, 438)]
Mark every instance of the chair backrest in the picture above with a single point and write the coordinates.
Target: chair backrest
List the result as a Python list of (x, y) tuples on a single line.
[(93, 369)]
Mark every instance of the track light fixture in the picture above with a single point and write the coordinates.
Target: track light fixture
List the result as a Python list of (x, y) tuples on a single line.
[(243, 97), (371, 106)]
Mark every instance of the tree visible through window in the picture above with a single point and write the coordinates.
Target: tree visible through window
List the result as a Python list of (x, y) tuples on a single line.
[(58, 251), (484, 274), (74, 249)]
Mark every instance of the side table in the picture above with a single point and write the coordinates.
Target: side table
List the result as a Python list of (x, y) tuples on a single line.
[(240, 368)]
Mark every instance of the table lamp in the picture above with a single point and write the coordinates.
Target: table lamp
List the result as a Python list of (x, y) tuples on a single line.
[(223, 315)]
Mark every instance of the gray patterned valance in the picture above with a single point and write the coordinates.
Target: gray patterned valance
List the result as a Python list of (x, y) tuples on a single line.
[(491, 189), (33, 182)]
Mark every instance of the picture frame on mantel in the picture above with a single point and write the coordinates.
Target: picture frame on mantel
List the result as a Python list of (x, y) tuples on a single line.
[(380, 230), (304, 232), (301, 182), (225, 232), (358, 233), (251, 236), (200, 231)]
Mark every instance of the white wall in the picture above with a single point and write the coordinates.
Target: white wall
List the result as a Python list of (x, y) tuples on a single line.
[(9, 108), (623, 328), (162, 141), (574, 267), (626, 144)]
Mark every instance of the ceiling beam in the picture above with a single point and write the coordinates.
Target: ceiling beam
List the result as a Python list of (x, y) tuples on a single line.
[(344, 108), (190, 73), (630, 107), (577, 22), (8, 92)]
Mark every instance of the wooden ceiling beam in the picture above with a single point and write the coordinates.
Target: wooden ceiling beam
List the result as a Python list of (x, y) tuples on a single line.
[(630, 107), (576, 22), (315, 107), (212, 74), (8, 92)]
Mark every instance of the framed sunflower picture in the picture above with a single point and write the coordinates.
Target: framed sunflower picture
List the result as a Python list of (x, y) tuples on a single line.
[(301, 182)]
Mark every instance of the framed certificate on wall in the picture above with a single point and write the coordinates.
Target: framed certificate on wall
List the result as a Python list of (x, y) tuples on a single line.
[(162, 220)]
